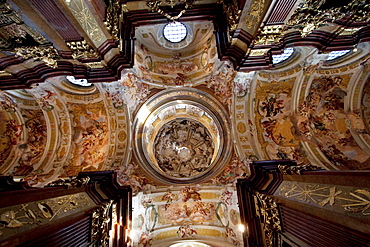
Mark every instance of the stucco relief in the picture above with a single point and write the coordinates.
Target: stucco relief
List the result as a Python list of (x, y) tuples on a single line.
[(130, 174), (183, 148)]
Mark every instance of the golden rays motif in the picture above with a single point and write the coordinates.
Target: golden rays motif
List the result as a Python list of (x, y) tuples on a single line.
[(357, 201), (85, 18)]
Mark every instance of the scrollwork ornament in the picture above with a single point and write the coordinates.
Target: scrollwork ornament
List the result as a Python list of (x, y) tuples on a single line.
[(297, 170), (310, 16), (112, 21), (99, 224), (154, 6), (269, 34), (269, 212), (232, 11), (81, 49), (71, 183), (48, 55)]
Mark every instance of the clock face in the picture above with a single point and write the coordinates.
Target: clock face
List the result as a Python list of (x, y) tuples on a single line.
[(183, 148)]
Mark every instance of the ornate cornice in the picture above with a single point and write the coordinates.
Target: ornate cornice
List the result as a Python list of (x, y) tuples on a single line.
[(99, 224), (154, 6), (297, 170), (312, 15), (70, 183), (82, 50), (112, 19), (48, 55), (231, 8)]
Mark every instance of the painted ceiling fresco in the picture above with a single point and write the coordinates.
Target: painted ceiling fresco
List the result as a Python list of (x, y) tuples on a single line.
[(187, 63), (183, 147), (180, 126), (195, 111), (49, 131), (311, 113), (205, 213)]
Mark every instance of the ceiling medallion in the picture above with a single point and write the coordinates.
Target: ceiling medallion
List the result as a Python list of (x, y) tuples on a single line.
[(154, 6), (182, 136)]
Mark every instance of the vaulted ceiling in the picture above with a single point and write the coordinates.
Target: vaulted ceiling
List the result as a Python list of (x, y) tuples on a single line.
[(94, 85)]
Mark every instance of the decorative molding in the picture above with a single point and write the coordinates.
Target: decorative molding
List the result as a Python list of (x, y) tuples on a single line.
[(269, 212), (258, 52), (311, 15), (255, 14), (80, 49), (48, 55), (269, 35), (99, 224), (86, 19), (232, 11), (95, 65), (5, 73), (349, 31), (297, 170), (154, 6), (71, 183), (112, 19), (343, 199), (23, 217)]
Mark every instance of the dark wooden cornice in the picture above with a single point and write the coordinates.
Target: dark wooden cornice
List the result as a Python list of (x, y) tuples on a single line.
[(103, 185), (265, 178), (116, 55), (73, 229)]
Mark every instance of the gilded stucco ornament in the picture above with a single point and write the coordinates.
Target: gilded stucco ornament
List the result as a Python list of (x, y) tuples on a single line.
[(269, 35), (341, 199), (254, 16), (48, 55), (99, 224), (14, 32), (154, 6), (297, 170), (23, 217), (269, 212), (86, 19), (232, 11), (112, 19), (81, 49), (311, 15), (70, 183)]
